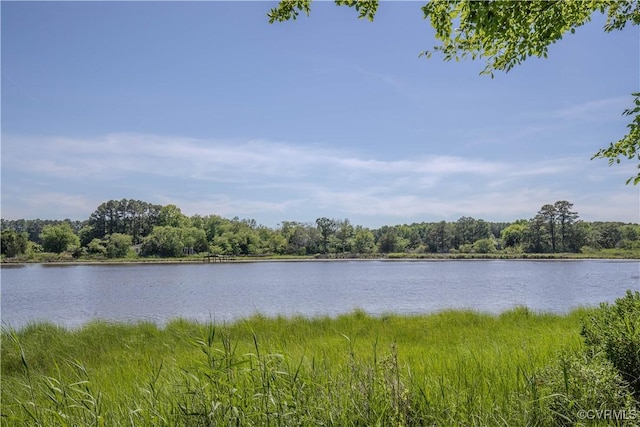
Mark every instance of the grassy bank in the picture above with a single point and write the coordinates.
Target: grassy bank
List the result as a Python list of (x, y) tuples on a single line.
[(449, 368)]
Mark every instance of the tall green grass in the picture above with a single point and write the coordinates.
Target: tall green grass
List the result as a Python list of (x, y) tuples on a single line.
[(448, 368)]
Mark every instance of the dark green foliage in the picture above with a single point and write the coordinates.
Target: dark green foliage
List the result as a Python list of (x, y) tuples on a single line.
[(627, 147), (363, 241), (168, 241), (387, 241), (164, 242), (614, 330), (599, 385), (575, 386), (554, 229), (484, 246), (118, 245), (133, 217), (33, 227), (290, 9), (327, 228), (96, 247), (58, 238), (14, 243)]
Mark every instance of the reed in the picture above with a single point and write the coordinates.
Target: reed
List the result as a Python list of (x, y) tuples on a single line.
[(452, 367)]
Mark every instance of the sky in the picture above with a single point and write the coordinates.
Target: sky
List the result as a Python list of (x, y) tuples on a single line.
[(207, 106)]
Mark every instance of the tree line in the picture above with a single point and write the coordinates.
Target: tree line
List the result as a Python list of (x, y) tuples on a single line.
[(121, 228)]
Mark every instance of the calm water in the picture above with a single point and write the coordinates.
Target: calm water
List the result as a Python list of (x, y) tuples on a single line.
[(73, 295)]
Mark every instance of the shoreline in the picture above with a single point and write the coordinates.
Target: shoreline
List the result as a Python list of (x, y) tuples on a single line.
[(250, 259)]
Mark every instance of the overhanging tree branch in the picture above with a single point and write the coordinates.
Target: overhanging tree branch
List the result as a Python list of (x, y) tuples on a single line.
[(505, 33)]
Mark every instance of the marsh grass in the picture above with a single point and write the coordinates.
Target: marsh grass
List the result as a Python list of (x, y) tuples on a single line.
[(448, 368)]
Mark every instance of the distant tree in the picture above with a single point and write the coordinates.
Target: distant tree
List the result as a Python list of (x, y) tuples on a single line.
[(496, 228), (163, 241), (440, 236), (250, 222), (630, 232), (482, 230), (388, 240), (608, 234), (86, 235), (118, 245), (242, 237), (537, 236), (241, 242), (58, 238), (214, 225), (411, 236), (96, 247), (168, 241), (484, 246), (467, 230), (172, 216), (344, 234), (197, 221), (549, 213), (133, 217), (464, 231), (363, 241), (278, 243), (34, 228), (327, 227), (288, 231), (566, 219), (14, 243), (302, 238), (515, 234), (266, 241), (195, 239), (578, 236)]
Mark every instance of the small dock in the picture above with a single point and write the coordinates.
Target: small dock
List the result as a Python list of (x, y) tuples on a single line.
[(218, 258)]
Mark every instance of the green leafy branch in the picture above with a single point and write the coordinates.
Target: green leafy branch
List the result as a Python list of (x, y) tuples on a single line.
[(629, 146), (505, 33)]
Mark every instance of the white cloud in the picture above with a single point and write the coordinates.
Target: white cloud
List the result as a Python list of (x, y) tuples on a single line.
[(228, 206), (48, 205), (618, 206), (114, 155), (273, 180)]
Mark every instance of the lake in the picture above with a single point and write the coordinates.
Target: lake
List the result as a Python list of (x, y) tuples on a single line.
[(75, 294)]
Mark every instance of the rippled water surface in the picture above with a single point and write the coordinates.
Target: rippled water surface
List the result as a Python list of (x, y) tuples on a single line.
[(73, 295)]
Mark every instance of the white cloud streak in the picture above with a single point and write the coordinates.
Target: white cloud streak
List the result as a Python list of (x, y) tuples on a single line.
[(275, 180), (594, 109), (112, 156)]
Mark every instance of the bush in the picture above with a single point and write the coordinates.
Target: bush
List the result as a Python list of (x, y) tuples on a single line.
[(578, 383), (484, 246), (614, 330), (118, 245), (96, 247), (58, 238), (13, 243)]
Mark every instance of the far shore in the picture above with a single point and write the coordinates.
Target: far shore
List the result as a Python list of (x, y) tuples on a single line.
[(631, 256)]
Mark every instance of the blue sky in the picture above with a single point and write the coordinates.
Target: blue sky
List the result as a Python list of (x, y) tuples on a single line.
[(208, 106)]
